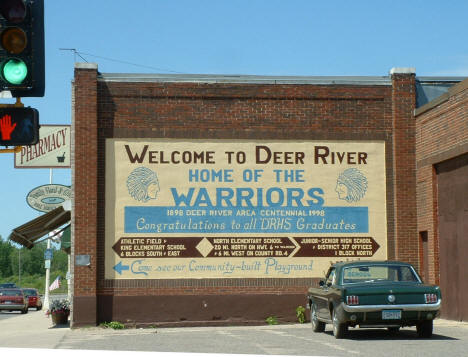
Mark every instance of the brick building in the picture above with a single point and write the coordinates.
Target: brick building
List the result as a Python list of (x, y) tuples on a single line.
[(442, 189), (178, 128)]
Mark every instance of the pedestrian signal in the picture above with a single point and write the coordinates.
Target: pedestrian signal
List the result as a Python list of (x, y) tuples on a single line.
[(19, 126)]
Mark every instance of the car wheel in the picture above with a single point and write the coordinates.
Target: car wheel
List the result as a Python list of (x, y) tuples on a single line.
[(339, 329), (317, 326), (24, 311), (424, 329)]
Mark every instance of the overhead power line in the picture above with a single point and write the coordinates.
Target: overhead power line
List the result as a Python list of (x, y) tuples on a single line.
[(81, 54)]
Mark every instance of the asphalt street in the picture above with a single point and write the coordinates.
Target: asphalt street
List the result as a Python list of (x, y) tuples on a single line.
[(450, 339)]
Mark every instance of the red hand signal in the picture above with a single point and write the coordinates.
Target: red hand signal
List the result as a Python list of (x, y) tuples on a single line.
[(6, 128)]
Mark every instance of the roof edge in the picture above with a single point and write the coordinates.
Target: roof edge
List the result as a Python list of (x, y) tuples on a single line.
[(457, 88), (247, 79)]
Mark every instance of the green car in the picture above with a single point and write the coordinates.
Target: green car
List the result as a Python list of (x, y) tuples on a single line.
[(379, 294)]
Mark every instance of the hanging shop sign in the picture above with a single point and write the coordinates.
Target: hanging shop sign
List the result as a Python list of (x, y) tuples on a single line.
[(45, 198), (52, 150), (179, 209)]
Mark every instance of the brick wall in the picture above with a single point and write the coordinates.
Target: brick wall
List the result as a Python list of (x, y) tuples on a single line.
[(404, 148), (84, 181), (125, 109), (442, 134)]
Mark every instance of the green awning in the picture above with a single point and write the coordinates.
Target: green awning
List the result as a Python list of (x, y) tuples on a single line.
[(30, 232), (66, 240)]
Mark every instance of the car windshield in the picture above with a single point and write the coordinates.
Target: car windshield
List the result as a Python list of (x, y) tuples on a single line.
[(29, 292), (376, 273), (11, 292), (8, 285)]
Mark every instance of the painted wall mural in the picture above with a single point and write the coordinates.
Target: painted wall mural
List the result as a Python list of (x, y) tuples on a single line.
[(241, 209)]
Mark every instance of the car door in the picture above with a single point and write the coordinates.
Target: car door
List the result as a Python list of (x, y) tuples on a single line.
[(326, 292)]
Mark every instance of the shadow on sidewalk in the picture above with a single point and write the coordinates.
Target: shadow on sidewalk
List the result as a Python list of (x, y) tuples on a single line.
[(60, 326)]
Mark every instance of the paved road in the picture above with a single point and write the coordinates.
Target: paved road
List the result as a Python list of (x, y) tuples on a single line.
[(450, 339), (8, 315)]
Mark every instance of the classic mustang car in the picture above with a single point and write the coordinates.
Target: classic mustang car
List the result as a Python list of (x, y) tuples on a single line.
[(379, 294)]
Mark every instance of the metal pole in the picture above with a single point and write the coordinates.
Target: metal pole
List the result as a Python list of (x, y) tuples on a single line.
[(47, 282), (69, 278), (47, 278), (19, 267)]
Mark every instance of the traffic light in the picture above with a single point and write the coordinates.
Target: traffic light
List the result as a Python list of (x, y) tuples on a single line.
[(22, 47), (19, 126)]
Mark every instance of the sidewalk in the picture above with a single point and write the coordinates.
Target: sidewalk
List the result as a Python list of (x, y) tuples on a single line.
[(31, 330)]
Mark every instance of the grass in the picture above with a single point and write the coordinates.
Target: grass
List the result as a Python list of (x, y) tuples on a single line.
[(113, 325)]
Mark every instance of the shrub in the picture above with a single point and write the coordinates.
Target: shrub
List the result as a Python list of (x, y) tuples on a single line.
[(113, 325), (272, 320), (300, 314)]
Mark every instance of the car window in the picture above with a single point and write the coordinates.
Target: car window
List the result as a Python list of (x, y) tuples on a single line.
[(407, 274), (331, 277), (29, 292), (374, 273)]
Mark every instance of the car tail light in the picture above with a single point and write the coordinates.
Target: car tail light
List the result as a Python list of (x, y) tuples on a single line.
[(352, 300), (430, 298)]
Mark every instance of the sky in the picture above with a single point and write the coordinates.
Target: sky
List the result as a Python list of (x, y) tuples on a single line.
[(251, 37)]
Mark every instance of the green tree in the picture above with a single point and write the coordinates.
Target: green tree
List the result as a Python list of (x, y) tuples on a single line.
[(6, 250), (60, 261), (33, 259), (30, 264)]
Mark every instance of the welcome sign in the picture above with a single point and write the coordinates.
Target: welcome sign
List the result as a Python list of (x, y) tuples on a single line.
[(242, 209)]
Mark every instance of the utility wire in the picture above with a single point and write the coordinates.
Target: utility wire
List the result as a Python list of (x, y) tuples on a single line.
[(75, 52), (78, 53)]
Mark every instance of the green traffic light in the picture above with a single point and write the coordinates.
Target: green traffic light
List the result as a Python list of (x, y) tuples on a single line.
[(14, 71)]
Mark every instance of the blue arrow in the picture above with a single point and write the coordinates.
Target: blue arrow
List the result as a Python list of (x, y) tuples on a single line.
[(119, 268)]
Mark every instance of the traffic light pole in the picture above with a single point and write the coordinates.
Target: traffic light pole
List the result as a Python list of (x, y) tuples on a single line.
[(18, 104), (14, 150)]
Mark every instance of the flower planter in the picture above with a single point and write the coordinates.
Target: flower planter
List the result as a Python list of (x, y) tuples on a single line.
[(60, 318), (60, 310)]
